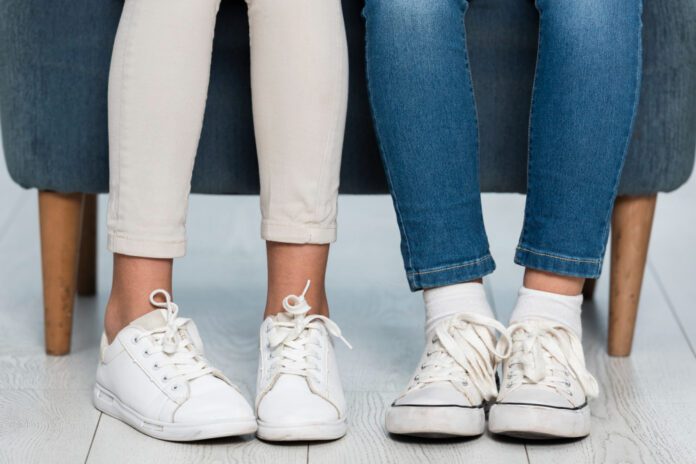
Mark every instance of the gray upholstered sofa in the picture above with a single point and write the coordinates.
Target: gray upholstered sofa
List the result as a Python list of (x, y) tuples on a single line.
[(54, 63)]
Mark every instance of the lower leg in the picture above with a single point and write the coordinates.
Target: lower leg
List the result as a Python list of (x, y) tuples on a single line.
[(290, 266), (425, 118), (573, 178), (133, 280), (553, 283)]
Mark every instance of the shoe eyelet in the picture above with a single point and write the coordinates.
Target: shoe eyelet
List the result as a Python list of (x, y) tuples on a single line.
[(165, 379), (175, 387), (146, 353), (156, 366), (135, 340)]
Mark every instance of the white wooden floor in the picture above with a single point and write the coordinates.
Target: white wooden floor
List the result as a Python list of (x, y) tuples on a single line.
[(646, 411)]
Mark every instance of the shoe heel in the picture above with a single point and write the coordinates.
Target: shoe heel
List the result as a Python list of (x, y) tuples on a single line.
[(102, 400)]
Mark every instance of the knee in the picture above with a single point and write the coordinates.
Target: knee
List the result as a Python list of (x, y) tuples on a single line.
[(413, 12), (593, 17)]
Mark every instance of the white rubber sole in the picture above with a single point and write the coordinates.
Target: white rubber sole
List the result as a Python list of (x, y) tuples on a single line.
[(108, 403), (302, 432), (436, 421), (538, 422)]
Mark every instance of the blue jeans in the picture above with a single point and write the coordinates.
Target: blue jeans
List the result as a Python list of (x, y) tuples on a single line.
[(583, 104)]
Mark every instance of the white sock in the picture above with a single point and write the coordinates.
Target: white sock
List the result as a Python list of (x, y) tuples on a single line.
[(444, 302), (535, 304)]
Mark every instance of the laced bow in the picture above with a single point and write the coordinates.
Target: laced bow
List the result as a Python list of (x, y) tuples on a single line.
[(538, 346), (180, 351), (464, 343), (292, 338)]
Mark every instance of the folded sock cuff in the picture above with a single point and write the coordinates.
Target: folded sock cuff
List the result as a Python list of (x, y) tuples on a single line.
[(443, 302), (537, 304)]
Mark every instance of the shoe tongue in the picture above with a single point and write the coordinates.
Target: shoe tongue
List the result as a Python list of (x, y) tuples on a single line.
[(289, 318), (152, 320)]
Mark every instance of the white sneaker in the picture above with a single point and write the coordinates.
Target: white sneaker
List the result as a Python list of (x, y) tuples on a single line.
[(545, 384), (154, 377), (454, 381), (299, 391)]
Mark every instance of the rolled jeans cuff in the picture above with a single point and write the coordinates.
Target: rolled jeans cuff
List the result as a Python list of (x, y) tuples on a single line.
[(589, 268), (451, 274), (145, 248), (298, 234)]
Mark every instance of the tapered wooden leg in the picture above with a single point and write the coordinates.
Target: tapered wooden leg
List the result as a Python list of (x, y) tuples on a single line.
[(630, 236), (589, 288), (59, 218), (87, 267)]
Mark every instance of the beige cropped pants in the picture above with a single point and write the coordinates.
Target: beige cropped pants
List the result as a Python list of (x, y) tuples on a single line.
[(157, 92)]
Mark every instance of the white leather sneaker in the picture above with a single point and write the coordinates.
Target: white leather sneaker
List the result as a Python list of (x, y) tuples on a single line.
[(545, 384), (299, 393), (453, 382), (155, 378)]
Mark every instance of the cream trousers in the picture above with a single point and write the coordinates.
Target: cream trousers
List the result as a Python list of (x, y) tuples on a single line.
[(157, 92)]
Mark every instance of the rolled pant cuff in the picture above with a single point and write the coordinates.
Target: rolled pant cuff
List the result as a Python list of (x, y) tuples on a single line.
[(589, 268), (145, 248), (451, 274), (302, 234)]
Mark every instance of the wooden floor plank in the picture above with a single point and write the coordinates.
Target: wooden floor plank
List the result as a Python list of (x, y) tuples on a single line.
[(368, 442), (672, 253), (45, 426), (117, 443)]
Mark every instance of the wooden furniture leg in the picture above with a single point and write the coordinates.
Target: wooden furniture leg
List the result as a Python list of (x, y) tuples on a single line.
[(87, 267), (630, 236), (60, 224)]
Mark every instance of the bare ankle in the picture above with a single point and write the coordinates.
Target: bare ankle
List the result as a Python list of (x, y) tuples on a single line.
[(553, 283), (119, 314), (134, 279), (115, 320)]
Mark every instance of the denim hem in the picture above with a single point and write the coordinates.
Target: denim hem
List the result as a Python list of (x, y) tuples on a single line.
[(451, 274), (588, 268)]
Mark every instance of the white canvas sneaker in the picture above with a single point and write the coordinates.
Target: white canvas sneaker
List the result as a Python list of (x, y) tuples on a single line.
[(545, 384), (299, 393), (155, 378), (453, 382)]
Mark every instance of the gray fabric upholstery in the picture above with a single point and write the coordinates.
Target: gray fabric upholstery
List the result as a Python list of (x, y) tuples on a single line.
[(54, 63)]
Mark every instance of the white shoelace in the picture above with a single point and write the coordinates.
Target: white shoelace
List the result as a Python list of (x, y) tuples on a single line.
[(464, 350), (180, 352), (293, 341), (547, 353)]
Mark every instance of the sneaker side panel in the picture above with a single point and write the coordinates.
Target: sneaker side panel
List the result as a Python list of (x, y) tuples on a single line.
[(120, 375)]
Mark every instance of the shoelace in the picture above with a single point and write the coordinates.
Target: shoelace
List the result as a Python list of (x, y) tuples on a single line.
[(547, 353), (463, 350), (180, 351), (294, 349)]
